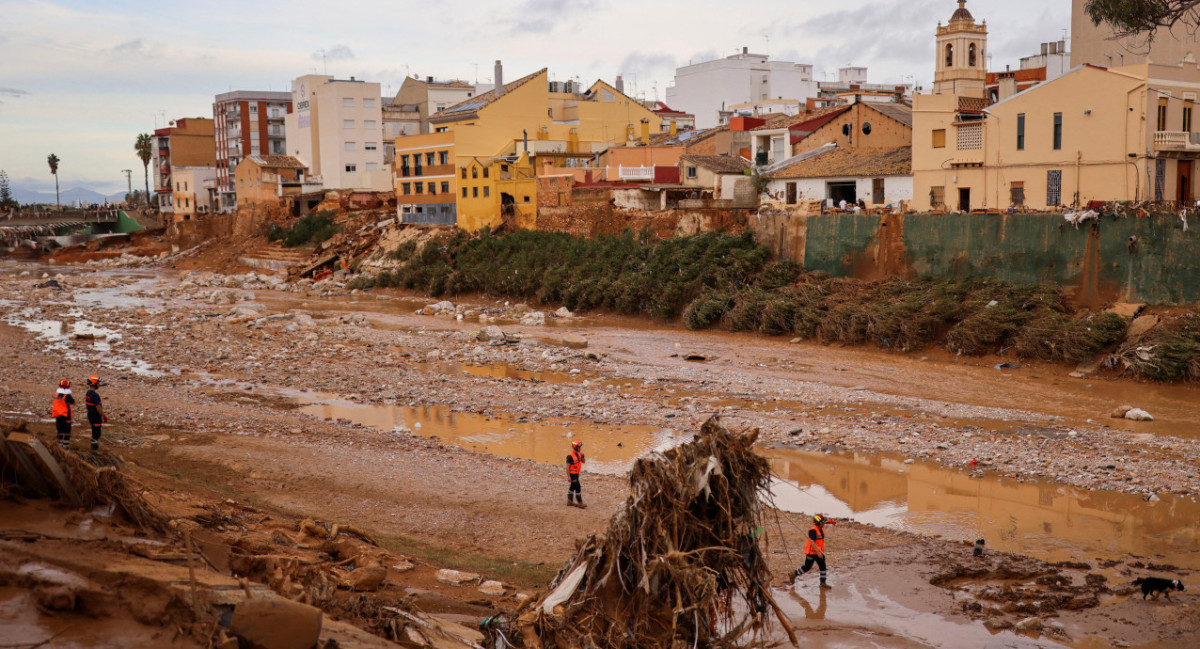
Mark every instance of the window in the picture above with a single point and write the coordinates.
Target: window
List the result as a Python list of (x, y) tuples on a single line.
[(464, 192), (1187, 116), (348, 102), (369, 123), (937, 196), (474, 172), (432, 188), (939, 138), (526, 199), (971, 55), (441, 129), (949, 54), (351, 168), (1021, 134), (419, 187), (368, 102), (486, 169), (970, 137), (429, 159), (372, 166), (1162, 113), (347, 123), (445, 187), (691, 172), (404, 165), (1016, 193), (1054, 187), (474, 192), (464, 174), (443, 157), (348, 146), (406, 188), (487, 191), (370, 146), (1057, 136)]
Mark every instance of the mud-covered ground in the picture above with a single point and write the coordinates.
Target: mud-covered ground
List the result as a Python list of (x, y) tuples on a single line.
[(304, 400)]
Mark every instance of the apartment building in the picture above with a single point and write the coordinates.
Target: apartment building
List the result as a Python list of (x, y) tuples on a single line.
[(195, 192), (336, 130), (186, 142), (247, 122), (707, 88)]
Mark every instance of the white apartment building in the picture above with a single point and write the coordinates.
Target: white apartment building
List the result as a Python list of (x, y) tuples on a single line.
[(705, 89), (336, 130)]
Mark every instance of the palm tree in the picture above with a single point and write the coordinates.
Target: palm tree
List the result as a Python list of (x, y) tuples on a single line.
[(53, 160), (142, 146)]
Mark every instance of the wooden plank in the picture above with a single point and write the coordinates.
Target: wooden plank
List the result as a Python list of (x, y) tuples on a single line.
[(49, 462), (29, 475)]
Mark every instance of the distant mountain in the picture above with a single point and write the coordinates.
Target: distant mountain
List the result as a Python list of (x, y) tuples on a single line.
[(66, 197)]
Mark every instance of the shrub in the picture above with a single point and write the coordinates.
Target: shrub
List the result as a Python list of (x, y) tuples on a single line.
[(312, 229)]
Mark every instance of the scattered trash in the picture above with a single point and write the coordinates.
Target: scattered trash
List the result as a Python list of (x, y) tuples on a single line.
[(1077, 217), (1008, 366), (1137, 414)]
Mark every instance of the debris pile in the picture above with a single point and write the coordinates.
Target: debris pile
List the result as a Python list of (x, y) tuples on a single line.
[(679, 565)]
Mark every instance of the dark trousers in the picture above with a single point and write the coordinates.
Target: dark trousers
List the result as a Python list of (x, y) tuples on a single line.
[(63, 426), (95, 432), (575, 488), (809, 560)]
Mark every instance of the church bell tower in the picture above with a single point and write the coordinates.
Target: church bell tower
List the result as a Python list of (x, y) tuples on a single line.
[(961, 51)]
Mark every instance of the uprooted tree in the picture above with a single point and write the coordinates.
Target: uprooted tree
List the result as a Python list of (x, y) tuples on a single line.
[(679, 565)]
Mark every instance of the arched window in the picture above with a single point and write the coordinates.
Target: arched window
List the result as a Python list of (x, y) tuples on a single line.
[(474, 172), (949, 55), (971, 55)]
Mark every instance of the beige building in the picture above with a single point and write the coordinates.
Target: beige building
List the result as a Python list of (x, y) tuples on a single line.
[(264, 180), (1094, 134), (336, 130), (1097, 44), (194, 192)]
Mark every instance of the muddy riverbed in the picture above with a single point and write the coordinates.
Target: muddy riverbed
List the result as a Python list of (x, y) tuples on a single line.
[(311, 397)]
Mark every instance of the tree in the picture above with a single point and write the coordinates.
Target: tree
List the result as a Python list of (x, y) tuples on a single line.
[(6, 199), (53, 161), (142, 146), (1144, 17)]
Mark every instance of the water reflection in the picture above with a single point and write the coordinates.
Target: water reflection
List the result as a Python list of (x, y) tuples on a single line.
[(1050, 521)]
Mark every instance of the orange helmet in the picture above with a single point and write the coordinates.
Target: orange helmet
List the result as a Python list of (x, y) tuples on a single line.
[(576, 445), (93, 381), (65, 383)]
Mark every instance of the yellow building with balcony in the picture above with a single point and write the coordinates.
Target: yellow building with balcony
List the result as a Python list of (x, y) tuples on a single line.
[(512, 126)]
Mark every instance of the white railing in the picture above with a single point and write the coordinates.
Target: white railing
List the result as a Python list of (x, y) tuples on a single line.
[(635, 173), (1176, 141)]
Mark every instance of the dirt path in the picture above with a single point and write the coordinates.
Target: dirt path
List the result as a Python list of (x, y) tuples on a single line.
[(218, 401)]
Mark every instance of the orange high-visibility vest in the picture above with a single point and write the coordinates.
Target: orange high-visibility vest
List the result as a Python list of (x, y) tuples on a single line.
[(61, 408), (818, 546), (576, 462)]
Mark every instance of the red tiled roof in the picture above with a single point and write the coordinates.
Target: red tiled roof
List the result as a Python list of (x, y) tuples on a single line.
[(840, 163)]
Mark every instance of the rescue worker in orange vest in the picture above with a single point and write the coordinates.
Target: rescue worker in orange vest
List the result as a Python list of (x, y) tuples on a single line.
[(814, 549), (61, 411), (575, 462)]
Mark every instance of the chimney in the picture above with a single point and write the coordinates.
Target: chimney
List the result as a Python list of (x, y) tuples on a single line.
[(1008, 86), (645, 131), (428, 79), (499, 79), (674, 128), (1045, 49), (620, 85), (745, 51), (352, 77)]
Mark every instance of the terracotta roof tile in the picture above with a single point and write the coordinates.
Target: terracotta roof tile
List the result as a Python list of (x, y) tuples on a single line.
[(277, 161), (852, 163), (719, 163)]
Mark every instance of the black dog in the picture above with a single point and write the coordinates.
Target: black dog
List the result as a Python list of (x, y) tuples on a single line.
[(1157, 586)]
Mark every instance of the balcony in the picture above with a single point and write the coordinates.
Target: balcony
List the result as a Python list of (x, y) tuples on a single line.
[(1176, 141), (635, 173)]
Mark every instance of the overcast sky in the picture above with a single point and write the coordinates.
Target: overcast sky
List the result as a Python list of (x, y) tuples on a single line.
[(82, 79)]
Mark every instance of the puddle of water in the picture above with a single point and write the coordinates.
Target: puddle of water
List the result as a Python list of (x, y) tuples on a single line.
[(1049, 521), (610, 449), (58, 333)]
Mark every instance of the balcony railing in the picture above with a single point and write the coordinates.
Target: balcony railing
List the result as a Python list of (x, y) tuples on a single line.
[(1176, 141), (635, 173)]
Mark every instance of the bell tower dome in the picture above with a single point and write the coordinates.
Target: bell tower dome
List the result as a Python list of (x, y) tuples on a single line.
[(961, 51)]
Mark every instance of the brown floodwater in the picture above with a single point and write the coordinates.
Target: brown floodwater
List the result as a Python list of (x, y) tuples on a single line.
[(1042, 519), (610, 449)]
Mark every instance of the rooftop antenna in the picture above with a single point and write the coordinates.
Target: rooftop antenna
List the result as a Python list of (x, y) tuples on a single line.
[(324, 68), (476, 74)]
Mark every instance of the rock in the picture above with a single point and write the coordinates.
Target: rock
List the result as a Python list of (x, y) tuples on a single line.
[(695, 356), (490, 334), (492, 587), (367, 578), (910, 461), (1029, 624), (305, 320), (592, 356), (1125, 309), (454, 577), (564, 312), (403, 566), (433, 355), (533, 319), (439, 307), (1119, 411), (55, 598), (276, 624), (1137, 414), (796, 341), (575, 342), (997, 624)]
